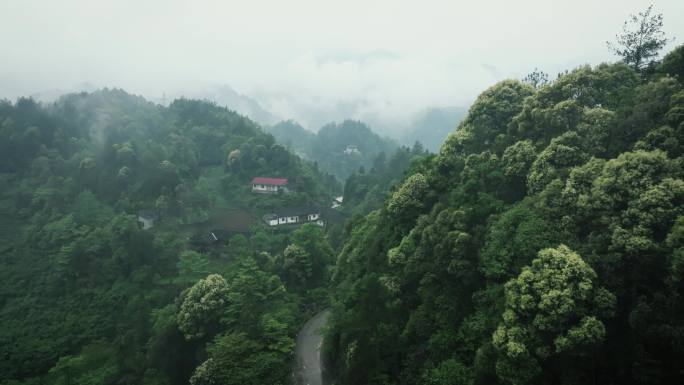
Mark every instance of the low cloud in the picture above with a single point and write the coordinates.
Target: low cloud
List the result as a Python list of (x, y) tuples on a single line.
[(380, 61)]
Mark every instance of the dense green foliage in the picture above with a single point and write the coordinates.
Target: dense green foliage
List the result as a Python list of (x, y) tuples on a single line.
[(327, 146), (88, 297), (542, 245), (364, 191)]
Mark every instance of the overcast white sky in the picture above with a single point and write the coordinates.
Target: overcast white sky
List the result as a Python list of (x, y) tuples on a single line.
[(384, 58)]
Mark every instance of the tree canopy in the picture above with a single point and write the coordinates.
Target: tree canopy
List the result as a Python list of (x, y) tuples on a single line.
[(541, 245)]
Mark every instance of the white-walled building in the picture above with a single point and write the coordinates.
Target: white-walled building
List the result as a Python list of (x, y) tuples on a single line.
[(147, 218), (269, 185), (351, 149), (337, 202), (294, 215)]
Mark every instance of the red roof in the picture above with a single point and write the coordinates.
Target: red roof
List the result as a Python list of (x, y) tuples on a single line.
[(270, 181)]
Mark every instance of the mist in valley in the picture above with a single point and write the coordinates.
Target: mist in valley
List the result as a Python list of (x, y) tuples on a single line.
[(355, 192)]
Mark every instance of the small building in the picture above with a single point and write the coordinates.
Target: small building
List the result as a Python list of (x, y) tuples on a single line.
[(337, 202), (203, 242), (212, 239), (147, 218), (269, 185), (294, 215), (351, 150)]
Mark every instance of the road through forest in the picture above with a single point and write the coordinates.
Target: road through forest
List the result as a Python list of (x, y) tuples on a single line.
[(308, 370)]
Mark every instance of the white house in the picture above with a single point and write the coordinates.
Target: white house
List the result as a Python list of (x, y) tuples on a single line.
[(337, 202), (351, 149), (294, 215), (269, 185), (147, 218)]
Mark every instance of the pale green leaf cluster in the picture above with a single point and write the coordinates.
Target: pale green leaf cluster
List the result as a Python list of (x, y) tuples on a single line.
[(202, 306)]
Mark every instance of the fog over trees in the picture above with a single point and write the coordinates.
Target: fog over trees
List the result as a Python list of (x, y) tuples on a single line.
[(307, 193)]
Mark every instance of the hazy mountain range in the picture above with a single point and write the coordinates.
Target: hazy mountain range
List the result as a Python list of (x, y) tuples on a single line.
[(429, 126), (338, 149)]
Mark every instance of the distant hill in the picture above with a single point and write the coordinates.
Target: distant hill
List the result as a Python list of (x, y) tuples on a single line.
[(293, 136), (339, 149), (433, 125), (224, 95)]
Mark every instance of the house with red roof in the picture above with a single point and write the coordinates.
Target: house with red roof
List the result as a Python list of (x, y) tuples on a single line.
[(269, 185)]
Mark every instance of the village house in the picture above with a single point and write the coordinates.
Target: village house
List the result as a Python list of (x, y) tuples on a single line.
[(351, 149), (147, 218), (337, 202), (269, 185), (214, 238), (202, 242), (294, 215)]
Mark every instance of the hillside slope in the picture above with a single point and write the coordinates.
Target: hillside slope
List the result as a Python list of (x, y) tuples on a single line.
[(338, 149), (89, 297), (542, 245)]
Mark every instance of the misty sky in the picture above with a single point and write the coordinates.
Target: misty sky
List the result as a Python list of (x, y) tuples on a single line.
[(381, 60)]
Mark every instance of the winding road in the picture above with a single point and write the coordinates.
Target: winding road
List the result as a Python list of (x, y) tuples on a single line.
[(309, 340)]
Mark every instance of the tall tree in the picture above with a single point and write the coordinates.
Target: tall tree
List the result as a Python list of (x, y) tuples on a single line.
[(202, 306), (536, 78), (554, 306), (641, 39)]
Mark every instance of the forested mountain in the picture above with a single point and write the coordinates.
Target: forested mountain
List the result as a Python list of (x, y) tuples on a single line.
[(366, 190), (294, 137), (224, 95), (156, 244), (338, 149), (543, 244), (89, 297)]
